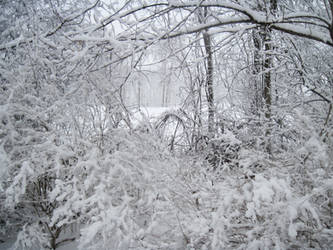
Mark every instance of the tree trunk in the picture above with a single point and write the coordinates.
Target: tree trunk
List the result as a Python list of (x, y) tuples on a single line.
[(267, 94), (257, 103), (209, 83), (209, 74), (263, 63), (268, 65)]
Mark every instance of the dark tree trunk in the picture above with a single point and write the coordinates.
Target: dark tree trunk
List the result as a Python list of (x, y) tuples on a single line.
[(263, 63), (209, 83), (209, 74), (268, 65), (267, 95)]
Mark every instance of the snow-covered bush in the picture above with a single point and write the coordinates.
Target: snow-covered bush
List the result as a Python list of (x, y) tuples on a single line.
[(28, 194), (265, 213), (114, 195), (279, 201), (31, 237), (223, 152)]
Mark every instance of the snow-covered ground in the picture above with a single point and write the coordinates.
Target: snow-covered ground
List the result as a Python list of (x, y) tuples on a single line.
[(150, 113)]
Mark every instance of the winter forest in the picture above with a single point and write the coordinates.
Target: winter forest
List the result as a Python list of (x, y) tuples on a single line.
[(166, 124)]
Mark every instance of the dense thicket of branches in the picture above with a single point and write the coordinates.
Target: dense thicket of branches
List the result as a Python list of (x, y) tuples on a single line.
[(244, 162)]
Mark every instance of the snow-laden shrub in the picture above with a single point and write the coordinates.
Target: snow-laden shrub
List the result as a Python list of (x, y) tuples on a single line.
[(264, 213), (27, 195), (281, 200), (31, 237), (195, 201), (223, 151), (119, 198)]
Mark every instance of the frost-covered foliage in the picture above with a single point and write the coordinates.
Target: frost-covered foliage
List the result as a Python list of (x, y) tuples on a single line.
[(102, 191), (266, 212), (121, 198), (280, 202), (30, 237)]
